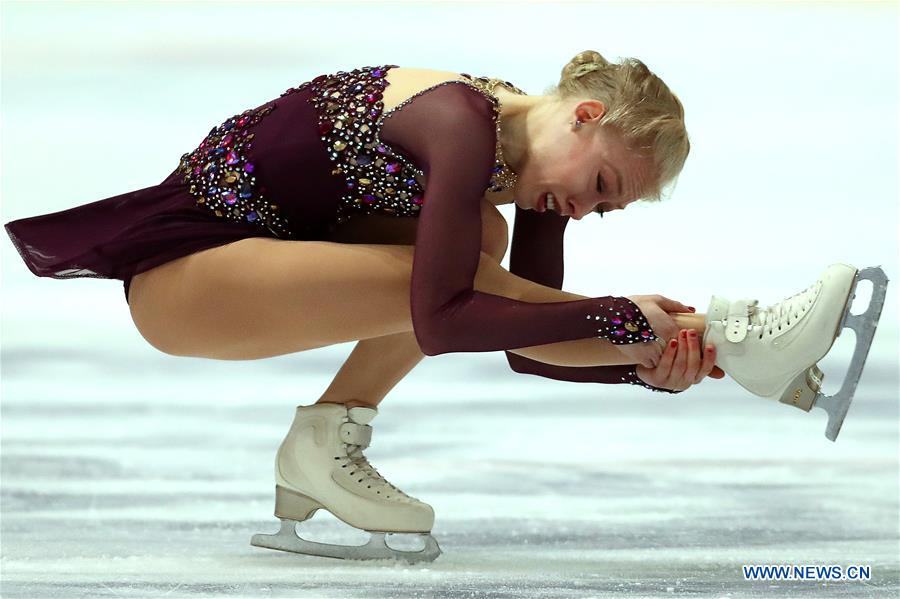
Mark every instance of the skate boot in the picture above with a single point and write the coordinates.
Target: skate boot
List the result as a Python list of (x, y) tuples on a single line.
[(773, 352), (320, 465)]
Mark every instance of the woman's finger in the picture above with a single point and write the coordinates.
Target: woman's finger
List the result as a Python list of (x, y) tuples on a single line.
[(664, 369), (647, 356), (678, 366), (670, 305), (679, 379), (693, 356), (709, 362), (650, 348), (657, 353), (671, 331)]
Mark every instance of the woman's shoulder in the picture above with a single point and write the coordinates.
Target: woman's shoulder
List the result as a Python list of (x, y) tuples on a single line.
[(405, 83)]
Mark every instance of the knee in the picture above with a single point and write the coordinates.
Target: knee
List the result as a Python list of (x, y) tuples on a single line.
[(492, 278), (494, 231)]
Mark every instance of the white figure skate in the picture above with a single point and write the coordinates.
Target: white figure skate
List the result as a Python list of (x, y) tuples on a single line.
[(320, 464), (772, 352)]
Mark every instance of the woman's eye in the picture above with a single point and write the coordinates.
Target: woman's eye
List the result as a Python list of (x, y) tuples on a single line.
[(598, 209)]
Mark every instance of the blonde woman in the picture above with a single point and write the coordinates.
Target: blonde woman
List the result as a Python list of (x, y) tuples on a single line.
[(362, 205)]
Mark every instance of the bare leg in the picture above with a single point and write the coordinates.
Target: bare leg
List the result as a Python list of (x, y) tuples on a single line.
[(373, 368), (376, 365), (260, 297)]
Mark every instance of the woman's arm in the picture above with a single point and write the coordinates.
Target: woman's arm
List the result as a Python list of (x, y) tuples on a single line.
[(450, 132), (537, 255)]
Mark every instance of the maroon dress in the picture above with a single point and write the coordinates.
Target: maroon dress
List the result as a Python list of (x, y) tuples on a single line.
[(298, 166)]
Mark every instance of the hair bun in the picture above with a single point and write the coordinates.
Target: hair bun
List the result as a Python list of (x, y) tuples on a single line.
[(583, 63)]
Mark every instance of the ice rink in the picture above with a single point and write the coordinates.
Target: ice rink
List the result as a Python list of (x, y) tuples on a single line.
[(149, 480), (130, 473)]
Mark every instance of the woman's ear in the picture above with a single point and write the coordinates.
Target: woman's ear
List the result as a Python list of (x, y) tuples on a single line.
[(590, 111)]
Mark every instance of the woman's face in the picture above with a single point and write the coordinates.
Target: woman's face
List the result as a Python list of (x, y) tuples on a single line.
[(583, 168)]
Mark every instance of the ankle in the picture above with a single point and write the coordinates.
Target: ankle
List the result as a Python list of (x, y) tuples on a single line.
[(349, 403), (686, 320)]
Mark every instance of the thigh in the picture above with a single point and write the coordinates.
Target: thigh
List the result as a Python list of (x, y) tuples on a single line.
[(261, 297)]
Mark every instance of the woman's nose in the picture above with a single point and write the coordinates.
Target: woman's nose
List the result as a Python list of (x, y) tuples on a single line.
[(577, 209)]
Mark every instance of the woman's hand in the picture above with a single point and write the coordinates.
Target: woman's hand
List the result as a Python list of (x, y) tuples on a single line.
[(655, 309), (681, 365), (646, 353)]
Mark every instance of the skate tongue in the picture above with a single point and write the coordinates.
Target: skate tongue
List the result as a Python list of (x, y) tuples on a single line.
[(718, 309), (362, 415)]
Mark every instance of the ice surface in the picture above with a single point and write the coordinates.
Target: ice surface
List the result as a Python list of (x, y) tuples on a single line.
[(151, 485)]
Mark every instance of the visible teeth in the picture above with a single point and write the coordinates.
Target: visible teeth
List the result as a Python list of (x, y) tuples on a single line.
[(551, 202)]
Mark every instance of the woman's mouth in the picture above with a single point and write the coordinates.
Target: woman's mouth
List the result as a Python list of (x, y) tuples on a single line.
[(547, 201)]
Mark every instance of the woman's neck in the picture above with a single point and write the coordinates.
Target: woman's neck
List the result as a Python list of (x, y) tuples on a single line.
[(514, 115)]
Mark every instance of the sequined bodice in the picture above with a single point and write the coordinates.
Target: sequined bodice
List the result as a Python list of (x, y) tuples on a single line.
[(375, 177)]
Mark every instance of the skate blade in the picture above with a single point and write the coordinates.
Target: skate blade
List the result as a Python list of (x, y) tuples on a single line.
[(864, 325), (287, 539)]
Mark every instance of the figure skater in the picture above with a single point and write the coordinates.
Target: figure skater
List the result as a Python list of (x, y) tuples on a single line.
[(362, 205)]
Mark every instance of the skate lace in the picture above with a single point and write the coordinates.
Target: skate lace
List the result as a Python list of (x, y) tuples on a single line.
[(779, 315), (357, 460)]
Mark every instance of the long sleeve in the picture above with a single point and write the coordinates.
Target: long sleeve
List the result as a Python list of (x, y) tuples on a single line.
[(537, 255), (449, 130)]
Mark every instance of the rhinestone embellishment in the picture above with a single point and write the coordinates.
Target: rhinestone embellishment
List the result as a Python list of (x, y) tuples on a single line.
[(624, 324), (503, 177), (221, 176), (377, 179)]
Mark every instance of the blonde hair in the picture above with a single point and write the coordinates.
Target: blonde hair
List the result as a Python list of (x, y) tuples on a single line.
[(639, 105)]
